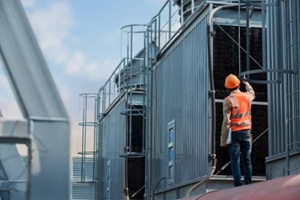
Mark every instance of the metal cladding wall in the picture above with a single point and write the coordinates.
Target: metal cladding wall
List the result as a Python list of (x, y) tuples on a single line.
[(283, 58), (181, 98), (112, 130)]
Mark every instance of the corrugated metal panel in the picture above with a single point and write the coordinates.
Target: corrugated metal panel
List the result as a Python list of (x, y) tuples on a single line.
[(83, 191), (112, 131), (276, 96), (181, 88), (283, 57), (88, 168)]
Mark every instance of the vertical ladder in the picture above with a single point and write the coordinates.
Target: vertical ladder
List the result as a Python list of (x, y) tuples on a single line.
[(88, 137), (134, 84)]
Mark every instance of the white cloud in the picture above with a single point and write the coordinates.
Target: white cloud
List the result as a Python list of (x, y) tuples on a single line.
[(52, 26), (75, 64), (101, 71), (79, 66)]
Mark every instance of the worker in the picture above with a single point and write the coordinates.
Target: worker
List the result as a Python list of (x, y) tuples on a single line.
[(237, 119)]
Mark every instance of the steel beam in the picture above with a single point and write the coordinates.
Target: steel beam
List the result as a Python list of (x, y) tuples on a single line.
[(39, 102)]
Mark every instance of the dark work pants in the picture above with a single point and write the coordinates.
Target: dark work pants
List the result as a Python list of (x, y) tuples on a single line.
[(241, 144)]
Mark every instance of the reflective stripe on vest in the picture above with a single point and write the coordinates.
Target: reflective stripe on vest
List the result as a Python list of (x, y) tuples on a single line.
[(240, 111)]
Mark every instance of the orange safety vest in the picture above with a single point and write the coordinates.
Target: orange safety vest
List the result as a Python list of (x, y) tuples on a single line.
[(240, 111)]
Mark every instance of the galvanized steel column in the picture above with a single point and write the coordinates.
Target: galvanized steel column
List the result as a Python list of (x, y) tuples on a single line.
[(39, 102)]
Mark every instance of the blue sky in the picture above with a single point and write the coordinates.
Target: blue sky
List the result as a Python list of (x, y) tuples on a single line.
[(81, 42)]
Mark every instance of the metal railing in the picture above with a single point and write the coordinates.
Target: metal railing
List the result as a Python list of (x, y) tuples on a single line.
[(159, 30)]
